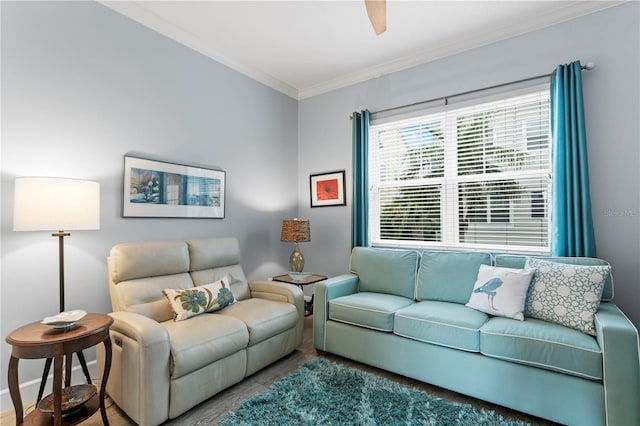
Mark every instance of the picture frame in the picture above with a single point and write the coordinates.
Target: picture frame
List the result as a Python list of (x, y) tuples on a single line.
[(328, 189), (154, 188)]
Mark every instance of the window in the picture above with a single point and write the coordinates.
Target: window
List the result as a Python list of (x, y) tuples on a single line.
[(475, 176), (537, 204), (492, 209), (537, 134)]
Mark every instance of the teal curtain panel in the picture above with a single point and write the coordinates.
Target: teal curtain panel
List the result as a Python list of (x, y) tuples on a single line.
[(572, 224), (360, 205)]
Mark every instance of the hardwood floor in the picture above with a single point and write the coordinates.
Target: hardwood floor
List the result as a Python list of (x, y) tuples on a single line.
[(218, 407)]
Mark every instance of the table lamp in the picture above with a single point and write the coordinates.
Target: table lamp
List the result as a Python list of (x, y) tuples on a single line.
[(56, 204), (295, 231)]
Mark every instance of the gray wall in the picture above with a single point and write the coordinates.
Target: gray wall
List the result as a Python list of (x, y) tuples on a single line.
[(610, 38), (82, 86)]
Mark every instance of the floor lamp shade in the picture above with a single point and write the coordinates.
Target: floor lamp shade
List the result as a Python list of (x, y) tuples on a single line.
[(56, 204), (50, 204)]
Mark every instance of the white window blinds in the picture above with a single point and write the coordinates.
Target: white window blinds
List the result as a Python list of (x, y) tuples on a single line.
[(476, 177)]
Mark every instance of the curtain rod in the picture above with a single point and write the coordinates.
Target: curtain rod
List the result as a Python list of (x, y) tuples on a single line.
[(589, 66)]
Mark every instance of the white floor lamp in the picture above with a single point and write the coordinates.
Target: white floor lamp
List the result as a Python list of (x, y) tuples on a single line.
[(57, 204)]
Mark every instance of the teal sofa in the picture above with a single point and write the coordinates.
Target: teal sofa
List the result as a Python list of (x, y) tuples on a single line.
[(404, 311)]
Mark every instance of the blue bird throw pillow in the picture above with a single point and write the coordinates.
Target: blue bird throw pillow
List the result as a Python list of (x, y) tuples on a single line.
[(501, 291)]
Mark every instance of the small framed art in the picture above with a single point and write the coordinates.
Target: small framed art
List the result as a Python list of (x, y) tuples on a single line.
[(328, 189), (163, 189)]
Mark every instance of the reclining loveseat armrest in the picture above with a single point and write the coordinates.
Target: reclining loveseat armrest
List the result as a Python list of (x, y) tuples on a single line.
[(324, 291), (279, 292), (140, 367), (618, 339), (147, 332)]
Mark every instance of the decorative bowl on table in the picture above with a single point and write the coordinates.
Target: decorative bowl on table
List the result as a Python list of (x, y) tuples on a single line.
[(73, 398), (299, 276), (65, 319)]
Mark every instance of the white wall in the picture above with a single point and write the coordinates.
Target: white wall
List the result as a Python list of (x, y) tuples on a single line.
[(82, 86), (610, 38)]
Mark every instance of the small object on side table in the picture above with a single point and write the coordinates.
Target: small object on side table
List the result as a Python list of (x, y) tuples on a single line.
[(64, 320), (73, 398), (305, 278), (37, 341), (299, 276)]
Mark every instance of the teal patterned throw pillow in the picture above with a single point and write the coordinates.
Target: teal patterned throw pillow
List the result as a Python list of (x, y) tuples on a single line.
[(565, 294), (197, 300)]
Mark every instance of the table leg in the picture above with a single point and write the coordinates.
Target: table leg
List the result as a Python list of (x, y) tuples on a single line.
[(105, 377), (68, 363), (57, 389), (83, 364), (43, 381), (14, 389)]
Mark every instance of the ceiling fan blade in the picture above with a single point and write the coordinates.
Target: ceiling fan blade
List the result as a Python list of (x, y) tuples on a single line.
[(377, 11)]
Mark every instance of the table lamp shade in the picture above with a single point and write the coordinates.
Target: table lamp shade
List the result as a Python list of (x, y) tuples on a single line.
[(295, 231), (48, 204)]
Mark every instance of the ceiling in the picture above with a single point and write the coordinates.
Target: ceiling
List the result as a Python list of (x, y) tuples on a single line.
[(307, 47)]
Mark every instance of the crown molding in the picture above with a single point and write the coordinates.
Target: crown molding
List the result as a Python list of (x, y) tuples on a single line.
[(560, 12), (554, 16), (142, 15)]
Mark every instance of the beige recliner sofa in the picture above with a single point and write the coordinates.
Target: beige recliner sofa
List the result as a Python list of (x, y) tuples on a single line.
[(160, 367)]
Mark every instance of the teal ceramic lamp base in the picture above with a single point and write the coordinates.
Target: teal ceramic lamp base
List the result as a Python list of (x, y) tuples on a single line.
[(296, 260)]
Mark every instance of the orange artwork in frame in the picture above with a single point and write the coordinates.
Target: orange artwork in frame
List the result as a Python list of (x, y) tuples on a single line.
[(328, 189)]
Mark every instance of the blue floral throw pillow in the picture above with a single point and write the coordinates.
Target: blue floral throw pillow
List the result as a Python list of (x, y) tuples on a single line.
[(194, 301), (565, 294)]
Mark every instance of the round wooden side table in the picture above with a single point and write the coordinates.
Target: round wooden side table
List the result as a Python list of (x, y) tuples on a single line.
[(38, 341)]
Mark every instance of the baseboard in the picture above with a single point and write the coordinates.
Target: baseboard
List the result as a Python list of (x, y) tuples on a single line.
[(29, 390)]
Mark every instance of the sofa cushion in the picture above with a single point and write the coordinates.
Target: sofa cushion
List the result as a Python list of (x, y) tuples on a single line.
[(144, 296), (129, 261), (213, 253), (203, 340), (501, 291), (371, 310), (193, 301), (238, 283), (449, 276), (212, 259), (565, 294), (542, 344), (518, 261), (442, 323), (263, 318), (385, 271)]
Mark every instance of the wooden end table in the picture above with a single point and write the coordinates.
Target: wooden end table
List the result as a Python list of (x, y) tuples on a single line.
[(38, 341), (311, 279)]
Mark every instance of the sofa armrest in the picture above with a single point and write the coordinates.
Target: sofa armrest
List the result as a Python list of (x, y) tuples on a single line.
[(139, 380), (324, 291), (279, 292), (618, 339), (147, 332)]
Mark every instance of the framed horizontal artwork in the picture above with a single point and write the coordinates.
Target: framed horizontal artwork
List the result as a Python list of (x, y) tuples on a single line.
[(163, 189), (328, 189)]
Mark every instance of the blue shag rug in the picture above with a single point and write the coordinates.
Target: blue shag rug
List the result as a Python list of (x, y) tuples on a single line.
[(321, 392)]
